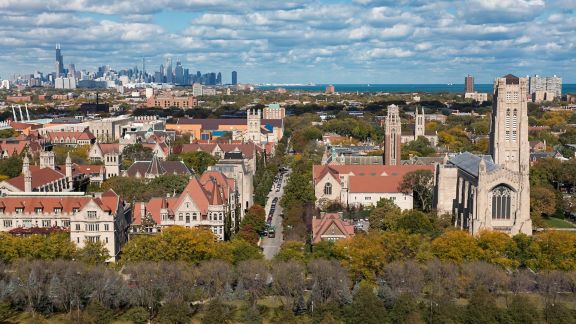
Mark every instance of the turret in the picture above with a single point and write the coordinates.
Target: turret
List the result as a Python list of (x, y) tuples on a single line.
[(69, 176)]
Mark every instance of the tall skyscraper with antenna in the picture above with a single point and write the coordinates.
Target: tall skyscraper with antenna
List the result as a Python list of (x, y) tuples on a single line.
[(59, 62)]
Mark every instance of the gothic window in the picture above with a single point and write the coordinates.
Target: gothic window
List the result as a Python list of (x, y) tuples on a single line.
[(328, 189), (502, 199), (507, 120), (515, 119)]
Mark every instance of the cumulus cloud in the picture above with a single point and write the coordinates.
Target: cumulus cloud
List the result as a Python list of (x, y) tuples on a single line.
[(297, 40)]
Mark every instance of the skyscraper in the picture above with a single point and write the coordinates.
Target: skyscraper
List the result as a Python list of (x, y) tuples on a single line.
[(469, 84), (59, 62), (234, 78), (179, 73)]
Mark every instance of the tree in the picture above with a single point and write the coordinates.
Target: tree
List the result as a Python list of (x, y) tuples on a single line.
[(420, 184), (289, 280), (457, 246), (198, 161), (366, 308), (291, 251), (256, 218), (482, 308), (137, 152), (522, 310), (543, 201), (385, 216), (11, 167), (418, 147), (416, 222), (93, 253), (241, 250)]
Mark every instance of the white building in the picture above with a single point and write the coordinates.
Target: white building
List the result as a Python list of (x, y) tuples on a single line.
[(97, 218), (65, 83), (197, 89), (477, 96), (5, 84)]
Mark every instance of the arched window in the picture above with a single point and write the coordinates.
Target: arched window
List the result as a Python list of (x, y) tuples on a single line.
[(328, 189), (502, 201)]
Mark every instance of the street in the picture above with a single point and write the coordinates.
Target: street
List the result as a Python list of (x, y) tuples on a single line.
[(271, 246)]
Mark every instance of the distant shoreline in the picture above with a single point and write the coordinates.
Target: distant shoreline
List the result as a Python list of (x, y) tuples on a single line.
[(396, 88)]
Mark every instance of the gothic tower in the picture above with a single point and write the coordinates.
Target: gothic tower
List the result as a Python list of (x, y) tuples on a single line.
[(27, 174), (112, 164), (69, 171), (419, 128), (509, 132), (253, 120), (393, 134), (509, 145), (47, 160)]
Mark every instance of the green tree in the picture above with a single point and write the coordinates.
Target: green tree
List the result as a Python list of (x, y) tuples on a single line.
[(366, 308), (482, 308), (256, 218), (93, 253), (11, 167), (418, 147), (385, 216), (198, 161), (136, 152), (522, 310), (419, 183), (543, 201), (416, 222)]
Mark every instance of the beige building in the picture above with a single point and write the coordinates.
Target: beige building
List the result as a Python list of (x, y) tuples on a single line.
[(97, 217), (492, 192), (477, 96)]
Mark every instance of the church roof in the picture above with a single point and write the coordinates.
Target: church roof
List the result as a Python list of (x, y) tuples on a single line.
[(469, 162)]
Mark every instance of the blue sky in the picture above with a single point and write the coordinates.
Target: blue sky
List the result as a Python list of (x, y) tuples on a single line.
[(298, 41)]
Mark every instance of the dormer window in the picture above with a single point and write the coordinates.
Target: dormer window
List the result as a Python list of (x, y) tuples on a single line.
[(38, 210), (19, 210), (57, 210), (75, 210), (91, 214), (2, 210)]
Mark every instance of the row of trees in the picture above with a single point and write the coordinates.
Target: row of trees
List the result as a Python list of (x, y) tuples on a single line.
[(216, 292)]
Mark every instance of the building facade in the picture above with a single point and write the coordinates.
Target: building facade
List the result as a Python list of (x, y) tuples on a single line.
[(468, 84), (99, 218), (493, 192)]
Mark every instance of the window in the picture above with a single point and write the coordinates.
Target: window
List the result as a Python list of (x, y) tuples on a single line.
[(164, 217), (507, 135), (65, 223), (328, 189), (194, 216), (367, 198), (8, 223), (77, 227), (27, 223), (75, 210), (106, 227), (180, 217), (57, 210), (220, 216), (19, 210), (514, 136), (187, 217), (92, 227), (501, 202), (106, 240), (93, 239), (46, 223), (91, 214)]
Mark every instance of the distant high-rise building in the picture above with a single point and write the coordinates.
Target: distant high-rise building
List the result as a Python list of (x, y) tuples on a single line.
[(469, 84), (179, 73), (545, 88), (59, 62), (234, 78)]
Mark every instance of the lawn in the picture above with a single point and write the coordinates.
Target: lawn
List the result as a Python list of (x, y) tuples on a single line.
[(558, 223)]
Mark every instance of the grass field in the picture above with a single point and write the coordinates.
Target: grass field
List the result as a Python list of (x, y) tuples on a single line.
[(558, 223)]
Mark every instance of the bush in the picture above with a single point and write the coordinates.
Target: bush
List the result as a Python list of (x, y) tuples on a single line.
[(136, 315)]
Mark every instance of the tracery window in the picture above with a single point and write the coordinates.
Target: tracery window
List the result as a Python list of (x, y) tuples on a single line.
[(502, 200)]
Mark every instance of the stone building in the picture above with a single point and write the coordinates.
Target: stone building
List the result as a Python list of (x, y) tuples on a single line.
[(392, 136), (492, 192)]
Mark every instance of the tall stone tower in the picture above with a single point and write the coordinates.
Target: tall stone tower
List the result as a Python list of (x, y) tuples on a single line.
[(47, 160), (393, 134), (112, 164), (509, 132), (509, 145), (69, 175), (420, 127), (254, 121), (27, 174)]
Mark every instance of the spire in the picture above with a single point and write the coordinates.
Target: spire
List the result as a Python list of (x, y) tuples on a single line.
[(25, 164), (155, 167), (68, 159)]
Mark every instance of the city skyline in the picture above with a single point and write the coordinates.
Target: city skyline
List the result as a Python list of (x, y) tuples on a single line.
[(362, 41)]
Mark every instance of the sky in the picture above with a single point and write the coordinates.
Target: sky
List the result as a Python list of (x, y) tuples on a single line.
[(297, 41)]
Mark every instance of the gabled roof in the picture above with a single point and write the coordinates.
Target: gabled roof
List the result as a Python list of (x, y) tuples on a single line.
[(40, 177), (108, 148), (169, 167), (331, 221), (108, 202), (469, 162)]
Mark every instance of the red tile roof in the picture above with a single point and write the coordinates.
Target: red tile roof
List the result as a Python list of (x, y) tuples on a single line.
[(40, 177), (321, 226), (108, 202)]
